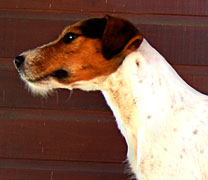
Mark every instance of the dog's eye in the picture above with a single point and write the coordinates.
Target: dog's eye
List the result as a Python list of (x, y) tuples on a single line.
[(69, 37)]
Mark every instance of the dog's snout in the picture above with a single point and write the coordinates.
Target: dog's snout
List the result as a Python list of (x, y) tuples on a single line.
[(18, 61)]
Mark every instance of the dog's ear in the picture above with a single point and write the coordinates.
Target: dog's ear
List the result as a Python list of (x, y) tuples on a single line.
[(120, 37), (94, 27)]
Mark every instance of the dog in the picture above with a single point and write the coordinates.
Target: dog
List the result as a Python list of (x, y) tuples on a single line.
[(163, 120)]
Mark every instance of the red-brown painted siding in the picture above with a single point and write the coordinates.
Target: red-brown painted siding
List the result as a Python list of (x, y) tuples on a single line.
[(75, 137)]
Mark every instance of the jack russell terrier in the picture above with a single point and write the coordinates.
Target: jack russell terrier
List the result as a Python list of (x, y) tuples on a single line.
[(164, 120)]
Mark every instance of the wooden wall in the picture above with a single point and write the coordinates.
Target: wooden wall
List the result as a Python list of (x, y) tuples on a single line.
[(74, 136)]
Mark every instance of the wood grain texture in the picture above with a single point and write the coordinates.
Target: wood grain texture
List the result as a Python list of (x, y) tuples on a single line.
[(179, 7), (60, 170), (60, 135)]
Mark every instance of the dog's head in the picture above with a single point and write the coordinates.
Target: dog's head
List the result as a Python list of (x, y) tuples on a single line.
[(85, 51)]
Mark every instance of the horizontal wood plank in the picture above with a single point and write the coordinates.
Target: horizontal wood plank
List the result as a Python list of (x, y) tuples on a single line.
[(56, 170), (182, 40), (60, 135), (181, 7), (196, 76)]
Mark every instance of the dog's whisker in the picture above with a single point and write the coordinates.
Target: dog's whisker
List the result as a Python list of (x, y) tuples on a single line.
[(70, 95), (57, 97)]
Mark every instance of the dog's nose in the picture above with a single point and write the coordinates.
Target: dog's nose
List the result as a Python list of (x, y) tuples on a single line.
[(18, 61)]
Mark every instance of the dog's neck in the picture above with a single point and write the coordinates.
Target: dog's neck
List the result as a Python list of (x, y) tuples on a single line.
[(145, 89), (144, 85)]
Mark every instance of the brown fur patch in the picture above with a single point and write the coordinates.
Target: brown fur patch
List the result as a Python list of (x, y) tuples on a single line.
[(83, 58)]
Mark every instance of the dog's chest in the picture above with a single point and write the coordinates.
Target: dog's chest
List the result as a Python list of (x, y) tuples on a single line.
[(163, 120)]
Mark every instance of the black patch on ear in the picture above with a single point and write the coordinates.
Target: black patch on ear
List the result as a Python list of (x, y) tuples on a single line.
[(93, 28), (117, 34)]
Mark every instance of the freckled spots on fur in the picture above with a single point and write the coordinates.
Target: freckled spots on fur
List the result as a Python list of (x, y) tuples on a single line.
[(196, 147), (134, 101), (181, 109), (149, 116), (165, 149), (164, 137), (182, 98), (175, 129), (202, 122), (84, 67), (151, 167), (195, 132), (173, 98), (184, 150), (160, 82), (127, 120), (181, 156), (140, 81), (201, 151)]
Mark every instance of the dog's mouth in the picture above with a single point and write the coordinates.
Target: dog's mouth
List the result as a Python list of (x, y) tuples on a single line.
[(59, 75), (43, 85)]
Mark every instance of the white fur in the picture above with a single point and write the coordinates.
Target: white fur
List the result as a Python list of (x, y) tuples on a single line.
[(164, 120)]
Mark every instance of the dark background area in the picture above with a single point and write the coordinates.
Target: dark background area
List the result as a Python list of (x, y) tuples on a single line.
[(67, 137)]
